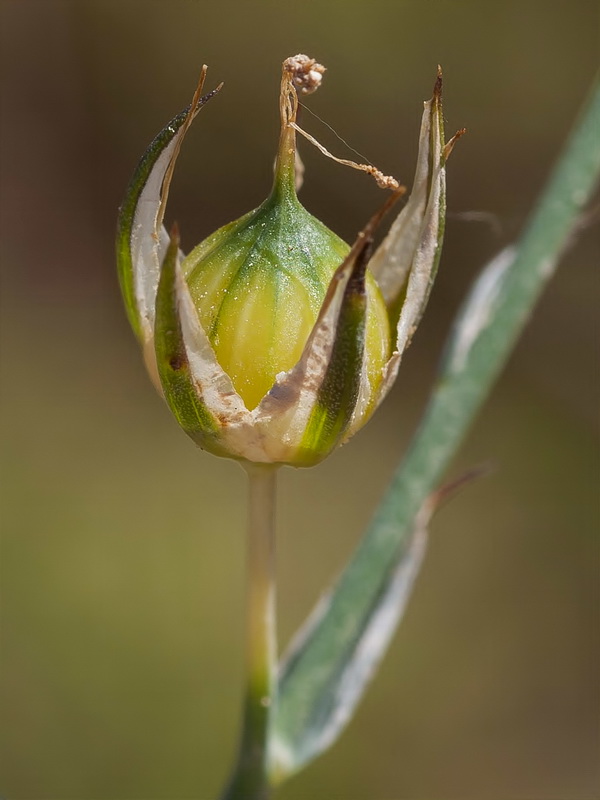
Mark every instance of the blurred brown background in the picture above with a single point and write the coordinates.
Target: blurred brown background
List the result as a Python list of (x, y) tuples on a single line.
[(122, 548)]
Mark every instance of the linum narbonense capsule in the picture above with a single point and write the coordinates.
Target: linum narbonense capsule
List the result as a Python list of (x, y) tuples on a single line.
[(273, 341)]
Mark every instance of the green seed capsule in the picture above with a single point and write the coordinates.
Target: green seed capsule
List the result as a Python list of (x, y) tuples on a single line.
[(271, 341), (258, 285)]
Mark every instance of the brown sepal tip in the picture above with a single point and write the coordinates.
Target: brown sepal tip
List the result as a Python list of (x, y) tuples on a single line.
[(209, 95), (174, 234), (437, 87), (371, 226), (360, 250)]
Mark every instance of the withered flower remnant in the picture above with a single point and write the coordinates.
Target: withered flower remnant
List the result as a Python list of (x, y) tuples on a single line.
[(273, 341)]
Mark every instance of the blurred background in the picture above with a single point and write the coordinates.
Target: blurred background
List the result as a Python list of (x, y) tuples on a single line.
[(123, 546)]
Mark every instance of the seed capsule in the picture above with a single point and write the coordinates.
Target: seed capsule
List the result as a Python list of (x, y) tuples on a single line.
[(258, 285), (271, 340)]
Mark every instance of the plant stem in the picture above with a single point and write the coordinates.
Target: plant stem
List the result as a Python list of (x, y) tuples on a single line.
[(249, 780)]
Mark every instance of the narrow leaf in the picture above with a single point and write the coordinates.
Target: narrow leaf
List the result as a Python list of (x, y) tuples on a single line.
[(315, 704)]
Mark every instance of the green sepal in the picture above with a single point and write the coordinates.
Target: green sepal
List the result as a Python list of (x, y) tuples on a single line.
[(127, 213), (437, 172), (173, 364), (338, 393), (140, 222)]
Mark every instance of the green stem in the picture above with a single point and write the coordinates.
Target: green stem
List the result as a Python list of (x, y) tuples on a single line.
[(249, 780)]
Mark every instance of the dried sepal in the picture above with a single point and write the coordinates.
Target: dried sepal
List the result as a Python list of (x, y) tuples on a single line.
[(392, 261), (308, 410), (405, 264), (173, 358), (199, 392), (142, 240), (210, 326)]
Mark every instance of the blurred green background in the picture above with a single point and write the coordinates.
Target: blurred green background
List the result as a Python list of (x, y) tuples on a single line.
[(122, 545)]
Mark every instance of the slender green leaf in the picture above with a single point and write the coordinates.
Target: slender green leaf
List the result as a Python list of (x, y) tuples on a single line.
[(318, 697), (493, 316)]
